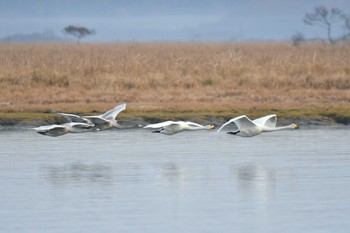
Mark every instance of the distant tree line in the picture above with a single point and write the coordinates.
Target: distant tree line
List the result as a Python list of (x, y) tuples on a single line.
[(46, 35), (325, 18)]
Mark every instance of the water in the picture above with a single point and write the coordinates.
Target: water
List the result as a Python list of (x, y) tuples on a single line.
[(136, 181)]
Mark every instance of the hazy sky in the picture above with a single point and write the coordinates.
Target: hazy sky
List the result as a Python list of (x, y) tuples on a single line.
[(116, 20)]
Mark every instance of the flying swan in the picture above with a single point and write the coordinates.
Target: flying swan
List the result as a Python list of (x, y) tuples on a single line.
[(108, 119), (173, 127), (249, 128), (58, 130)]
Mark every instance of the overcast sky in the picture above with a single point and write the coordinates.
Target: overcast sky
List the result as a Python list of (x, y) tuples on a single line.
[(121, 20)]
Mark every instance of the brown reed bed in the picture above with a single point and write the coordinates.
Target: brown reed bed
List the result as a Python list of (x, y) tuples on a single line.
[(192, 77)]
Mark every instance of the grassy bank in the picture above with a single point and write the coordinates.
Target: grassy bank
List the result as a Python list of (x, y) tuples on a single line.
[(175, 80), (213, 116)]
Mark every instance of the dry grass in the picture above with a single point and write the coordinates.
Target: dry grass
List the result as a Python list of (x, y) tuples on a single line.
[(192, 76)]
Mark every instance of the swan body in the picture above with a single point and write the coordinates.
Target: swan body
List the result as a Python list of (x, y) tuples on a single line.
[(108, 119), (58, 130), (173, 127), (249, 128)]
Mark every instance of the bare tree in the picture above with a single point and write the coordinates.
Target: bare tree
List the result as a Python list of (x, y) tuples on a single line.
[(347, 28), (78, 32), (325, 18)]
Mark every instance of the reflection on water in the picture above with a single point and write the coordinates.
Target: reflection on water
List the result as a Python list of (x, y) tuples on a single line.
[(79, 173), (171, 172), (90, 174), (259, 181), (253, 177), (136, 181)]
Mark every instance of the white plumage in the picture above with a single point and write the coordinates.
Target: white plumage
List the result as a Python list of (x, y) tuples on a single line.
[(173, 127), (249, 128), (58, 130), (107, 120)]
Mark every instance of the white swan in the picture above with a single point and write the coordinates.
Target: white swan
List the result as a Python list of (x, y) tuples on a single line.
[(173, 127), (249, 128), (58, 130), (108, 119)]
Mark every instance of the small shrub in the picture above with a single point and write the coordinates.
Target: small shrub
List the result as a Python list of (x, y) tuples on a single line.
[(208, 82)]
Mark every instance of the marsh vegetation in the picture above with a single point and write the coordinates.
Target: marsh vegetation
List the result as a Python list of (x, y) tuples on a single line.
[(176, 77)]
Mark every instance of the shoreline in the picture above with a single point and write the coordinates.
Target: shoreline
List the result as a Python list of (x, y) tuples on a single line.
[(136, 117)]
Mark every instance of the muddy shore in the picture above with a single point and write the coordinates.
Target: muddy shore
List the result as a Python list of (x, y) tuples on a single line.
[(27, 121)]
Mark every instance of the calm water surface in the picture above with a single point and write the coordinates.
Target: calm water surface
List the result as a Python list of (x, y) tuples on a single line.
[(136, 181)]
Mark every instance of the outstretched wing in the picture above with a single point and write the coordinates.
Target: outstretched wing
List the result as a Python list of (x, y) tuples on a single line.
[(73, 117), (78, 125), (241, 122), (230, 121), (112, 114), (159, 125), (46, 128), (51, 130), (269, 120), (97, 120)]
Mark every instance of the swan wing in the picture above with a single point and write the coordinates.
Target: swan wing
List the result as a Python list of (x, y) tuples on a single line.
[(77, 127), (159, 125), (269, 121), (51, 130), (97, 120), (73, 117), (230, 121), (241, 122), (46, 128), (112, 114)]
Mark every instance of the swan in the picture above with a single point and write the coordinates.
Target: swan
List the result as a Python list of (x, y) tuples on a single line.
[(58, 130), (173, 127), (249, 128), (108, 119)]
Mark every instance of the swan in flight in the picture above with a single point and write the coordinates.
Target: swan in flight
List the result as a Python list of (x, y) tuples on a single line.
[(58, 130), (249, 128), (173, 127), (108, 119)]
